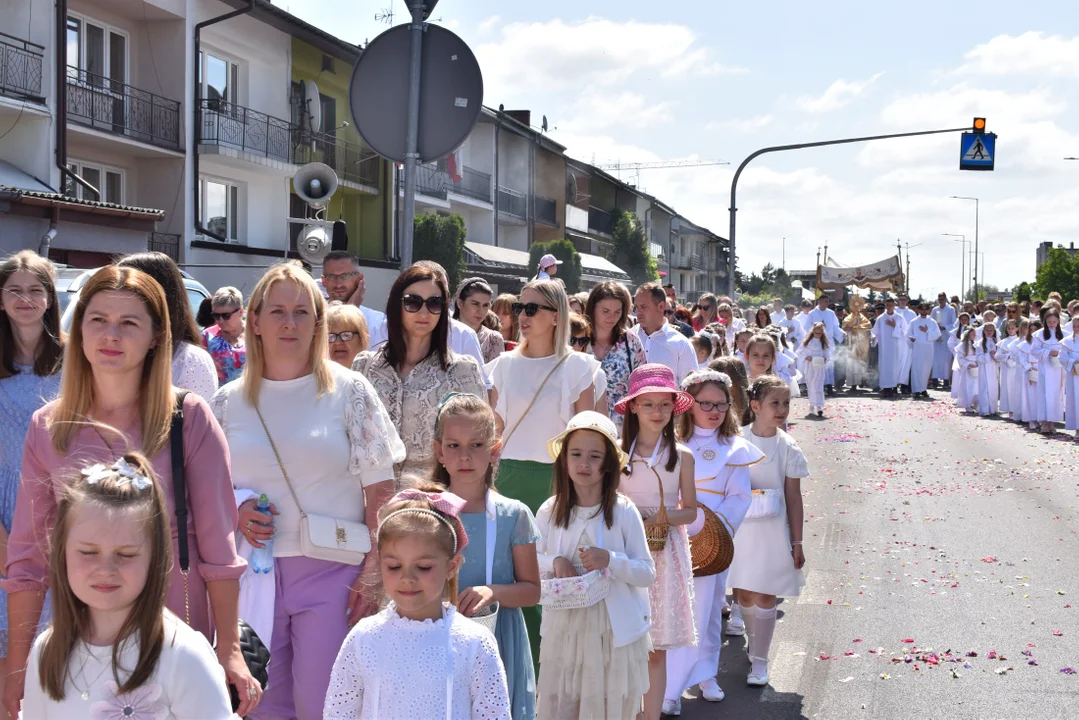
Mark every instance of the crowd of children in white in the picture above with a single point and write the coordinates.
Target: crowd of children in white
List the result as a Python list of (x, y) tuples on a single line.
[(424, 504)]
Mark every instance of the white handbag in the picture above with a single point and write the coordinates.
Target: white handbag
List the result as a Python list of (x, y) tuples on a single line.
[(765, 504), (323, 537), (1054, 360), (1032, 375)]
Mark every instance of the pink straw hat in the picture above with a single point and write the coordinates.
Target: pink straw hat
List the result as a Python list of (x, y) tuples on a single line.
[(654, 378)]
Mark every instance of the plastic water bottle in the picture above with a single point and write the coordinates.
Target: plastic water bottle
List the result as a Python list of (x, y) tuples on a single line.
[(262, 558)]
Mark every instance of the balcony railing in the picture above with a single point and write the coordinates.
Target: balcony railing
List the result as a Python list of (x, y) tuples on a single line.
[(546, 211), (166, 243), (430, 181), (113, 107), (229, 125), (350, 161), (20, 67), (600, 221), (473, 184), (512, 203), (695, 261)]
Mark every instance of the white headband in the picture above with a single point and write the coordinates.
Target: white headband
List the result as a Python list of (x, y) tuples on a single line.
[(419, 511), (702, 376)]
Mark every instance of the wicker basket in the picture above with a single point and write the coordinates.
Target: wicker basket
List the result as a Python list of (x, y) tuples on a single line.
[(659, 526), (712, 549), (574, 593)]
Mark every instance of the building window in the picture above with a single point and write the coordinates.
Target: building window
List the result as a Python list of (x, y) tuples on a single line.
[(108, 181), (219, 206), (218, 79), (96, 53)]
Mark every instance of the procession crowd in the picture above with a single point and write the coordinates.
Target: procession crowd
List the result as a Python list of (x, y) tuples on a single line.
[(385, 501)]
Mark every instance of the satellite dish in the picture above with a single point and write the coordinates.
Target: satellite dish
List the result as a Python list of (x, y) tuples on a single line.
[(451, 93), (573, 187), (544, 123), (312, 105)]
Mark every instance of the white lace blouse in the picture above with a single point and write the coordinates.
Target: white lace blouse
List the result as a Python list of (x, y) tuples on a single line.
[(193, 369), (392, 667)]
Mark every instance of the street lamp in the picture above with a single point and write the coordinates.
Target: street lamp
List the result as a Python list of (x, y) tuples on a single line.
[(962, 197), (980, 256), (962, 262)]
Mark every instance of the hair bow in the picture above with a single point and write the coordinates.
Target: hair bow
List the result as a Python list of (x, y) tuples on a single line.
[(446, 506), (128, 474)]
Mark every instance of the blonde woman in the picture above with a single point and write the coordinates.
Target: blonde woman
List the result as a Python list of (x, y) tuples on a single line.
[(348, 336), (116, 394), (297, 422)]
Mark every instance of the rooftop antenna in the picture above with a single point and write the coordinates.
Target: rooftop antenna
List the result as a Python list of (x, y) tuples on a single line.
[(385, 16)]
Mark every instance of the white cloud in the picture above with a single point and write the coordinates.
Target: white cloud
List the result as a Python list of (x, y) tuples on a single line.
[(1032, 53), (489, 24), (838, 94), (750, 125), (597, 111)]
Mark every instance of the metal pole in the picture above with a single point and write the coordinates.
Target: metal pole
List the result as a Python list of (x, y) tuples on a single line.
[(976, 213), (412, 137), (800, 146)]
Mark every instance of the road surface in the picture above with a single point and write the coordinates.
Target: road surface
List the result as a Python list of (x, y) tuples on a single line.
[(942, 569)]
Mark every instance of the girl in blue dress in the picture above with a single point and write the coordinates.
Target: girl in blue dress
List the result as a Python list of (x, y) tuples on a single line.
[(30, 351), (501, 569)]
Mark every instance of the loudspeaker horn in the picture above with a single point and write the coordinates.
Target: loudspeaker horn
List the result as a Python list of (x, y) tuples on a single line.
[(314, 243), (315, 183)]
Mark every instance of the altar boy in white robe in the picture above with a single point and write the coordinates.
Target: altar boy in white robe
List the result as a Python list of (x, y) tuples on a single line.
[(906, 357), (945, 317), (888, 336), (923, 334)]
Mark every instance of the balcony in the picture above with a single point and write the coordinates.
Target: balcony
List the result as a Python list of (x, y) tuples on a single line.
[(473, 184), (113, 107), (166, 243), (600, 221), (20, 68), (512, 203), (228, 125), (430, 181), (350, 161), (695, 261), (546, 211)]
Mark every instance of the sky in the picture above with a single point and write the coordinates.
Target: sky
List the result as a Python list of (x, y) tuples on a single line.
[(641, 81)]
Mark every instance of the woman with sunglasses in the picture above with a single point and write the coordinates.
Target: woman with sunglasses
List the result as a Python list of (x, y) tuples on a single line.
[(225, 339), (415, 368), (348, 334), (706, 311)]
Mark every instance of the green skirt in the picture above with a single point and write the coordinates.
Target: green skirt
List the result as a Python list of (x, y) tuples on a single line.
[(529, 482)]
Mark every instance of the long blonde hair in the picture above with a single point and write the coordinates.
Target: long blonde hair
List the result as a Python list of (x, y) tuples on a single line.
[(155, 387), (255, 364), (554, 294)]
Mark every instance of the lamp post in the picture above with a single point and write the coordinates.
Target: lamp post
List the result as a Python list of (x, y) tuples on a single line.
[(962, 262), (976, 213), (980, 256)]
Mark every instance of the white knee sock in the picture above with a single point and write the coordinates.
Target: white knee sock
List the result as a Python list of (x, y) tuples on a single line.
[(749, 617), (760, 642)]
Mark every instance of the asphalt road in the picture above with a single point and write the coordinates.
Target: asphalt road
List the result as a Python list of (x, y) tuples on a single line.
[(942, 566)]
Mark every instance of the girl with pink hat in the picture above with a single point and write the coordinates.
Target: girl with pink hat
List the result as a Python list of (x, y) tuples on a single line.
[(659, 479)]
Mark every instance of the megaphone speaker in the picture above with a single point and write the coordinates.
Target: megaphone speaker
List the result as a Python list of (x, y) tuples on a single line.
[(314, 244), (315, 183)]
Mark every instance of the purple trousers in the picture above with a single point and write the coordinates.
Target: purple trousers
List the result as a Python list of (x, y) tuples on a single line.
[(310, 625)]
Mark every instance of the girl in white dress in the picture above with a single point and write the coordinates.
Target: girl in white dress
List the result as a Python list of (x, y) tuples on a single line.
[(1017, 378), (815, 345), (988, 371), (954, 339), (786, 364), (1048, 348), (760, 356), (660, 473), (966, 356), (113, 650), (419, 658), (721, 460), (594, 659), (1028, 371), (768, 556), (1071, 382), (1007, 365)]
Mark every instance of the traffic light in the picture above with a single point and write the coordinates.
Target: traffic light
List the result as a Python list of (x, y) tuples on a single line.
[(979, 126)]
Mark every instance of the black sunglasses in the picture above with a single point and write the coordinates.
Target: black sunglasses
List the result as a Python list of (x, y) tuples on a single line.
[(710, 406), (582, 341), (225, 315), (530, 309), (413, 303), (668, 312)]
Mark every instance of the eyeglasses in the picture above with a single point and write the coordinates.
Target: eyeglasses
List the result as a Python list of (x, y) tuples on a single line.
[(530, 309), (668, 312), (413, 303), (225, 315), (345, 336), (664, 407), (706, 308), (579, 341), (339, 277), (710, 406)]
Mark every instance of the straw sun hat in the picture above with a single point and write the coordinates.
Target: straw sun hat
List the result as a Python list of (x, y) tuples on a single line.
[(654, 378), (588, 420)]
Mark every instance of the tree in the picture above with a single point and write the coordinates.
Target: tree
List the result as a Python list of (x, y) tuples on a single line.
[(630, 251), (984, 291), (570, 269), (441, 238), (1059, 273), (1022, 292)]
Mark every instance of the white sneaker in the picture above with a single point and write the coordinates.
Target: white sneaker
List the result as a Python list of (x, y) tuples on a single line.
[(711, 691), (758, 674), (736, 627), (672, 707)]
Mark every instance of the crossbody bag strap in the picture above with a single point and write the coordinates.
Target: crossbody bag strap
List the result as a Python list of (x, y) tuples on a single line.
[(179, 484), (280, 464), (507, 436)]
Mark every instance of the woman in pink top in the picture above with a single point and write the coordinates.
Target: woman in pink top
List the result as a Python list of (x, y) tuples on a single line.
[(116, 393)]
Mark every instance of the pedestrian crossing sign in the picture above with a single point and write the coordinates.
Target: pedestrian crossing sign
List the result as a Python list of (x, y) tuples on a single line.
[(977, 151)]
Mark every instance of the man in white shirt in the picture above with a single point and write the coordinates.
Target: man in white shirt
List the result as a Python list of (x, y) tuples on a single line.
[(904, 368), (923, 334), (944, 315), (662, 343), (343, 281), (778, 314), (889, 334), (823, 314)]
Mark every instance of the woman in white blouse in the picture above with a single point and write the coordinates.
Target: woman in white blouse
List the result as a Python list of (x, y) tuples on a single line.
[(192, 367), (315, 439), (415, 368)]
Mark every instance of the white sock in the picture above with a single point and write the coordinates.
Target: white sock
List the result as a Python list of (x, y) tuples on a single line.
[(749, 617), (760, 642)]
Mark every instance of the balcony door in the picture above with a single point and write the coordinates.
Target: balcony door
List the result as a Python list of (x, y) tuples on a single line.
[(98, 67), (223, 120)]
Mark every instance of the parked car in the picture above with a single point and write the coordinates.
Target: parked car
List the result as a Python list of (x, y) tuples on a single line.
[(69, 281)]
